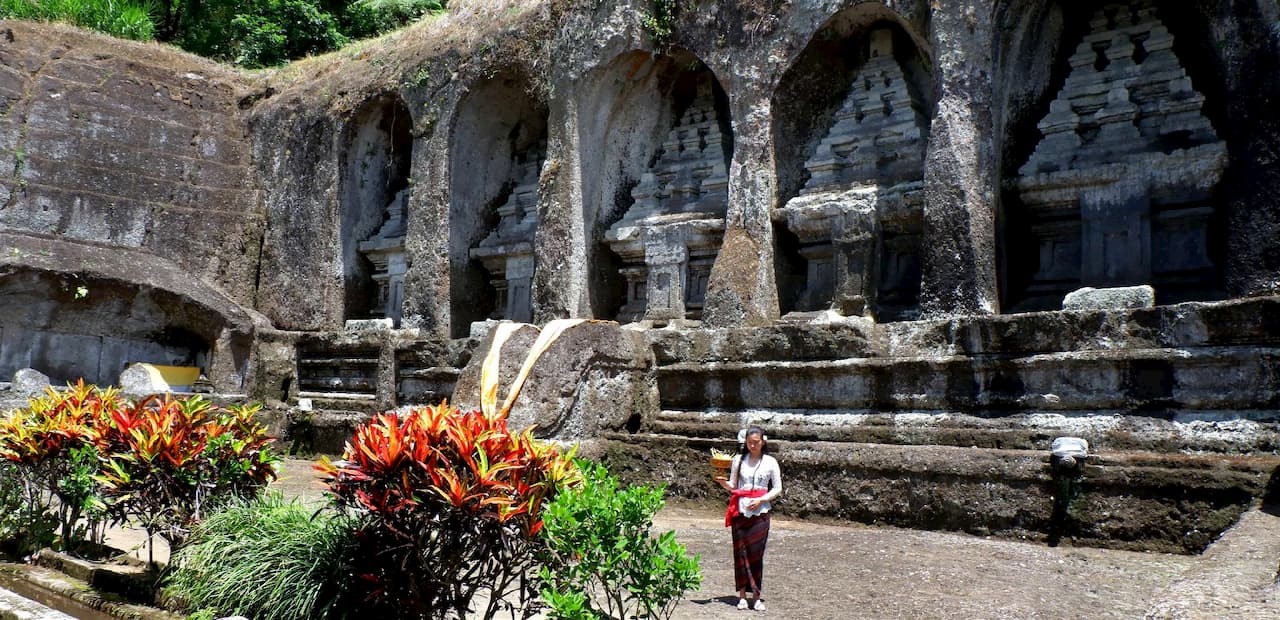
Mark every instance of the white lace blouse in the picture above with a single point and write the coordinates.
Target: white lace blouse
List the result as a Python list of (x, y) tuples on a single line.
[(746, 476)]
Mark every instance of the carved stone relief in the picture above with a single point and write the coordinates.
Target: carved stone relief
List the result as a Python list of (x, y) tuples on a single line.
[(669, 237), (858, 218), (1118, 189), (385, 249), (507, 252)]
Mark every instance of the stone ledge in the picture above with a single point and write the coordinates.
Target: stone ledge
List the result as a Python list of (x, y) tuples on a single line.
[(14, 607), (1172, 503), (1125, 379), (81, 600), (1226, 432)]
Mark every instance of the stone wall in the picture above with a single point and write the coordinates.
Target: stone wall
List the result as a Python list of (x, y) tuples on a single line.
[(131, 219), (130, 146), (832, 217)]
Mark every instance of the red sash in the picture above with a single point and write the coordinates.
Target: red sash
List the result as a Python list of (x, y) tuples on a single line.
[(734, 495)]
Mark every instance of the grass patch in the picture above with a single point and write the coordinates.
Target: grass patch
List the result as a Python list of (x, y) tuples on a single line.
[(120, 18), (264, 558)]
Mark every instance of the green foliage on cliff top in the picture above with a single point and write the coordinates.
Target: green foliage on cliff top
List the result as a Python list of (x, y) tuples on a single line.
[(249, 33), (121, 18)]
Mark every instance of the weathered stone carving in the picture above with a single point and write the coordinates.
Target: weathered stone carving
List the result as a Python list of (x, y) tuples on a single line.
[(858, 217), (669, 237), (385, 249), (1117, 190), (507, 253)]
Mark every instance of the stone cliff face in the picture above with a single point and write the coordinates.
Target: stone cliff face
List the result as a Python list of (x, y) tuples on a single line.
[(816, 212), (131, 146), (128, 169)]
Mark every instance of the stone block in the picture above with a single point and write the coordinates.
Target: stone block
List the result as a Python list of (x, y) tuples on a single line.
[(366, 325), (138, 380), (596, 377), (29, 382), (1115, 298), (466, 392)]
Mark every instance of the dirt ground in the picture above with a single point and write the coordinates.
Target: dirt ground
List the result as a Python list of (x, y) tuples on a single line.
[(838, 572)]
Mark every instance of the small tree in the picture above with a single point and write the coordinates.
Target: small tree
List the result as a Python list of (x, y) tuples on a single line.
[(51, 446), (167, 462), (450, 504), (605, 563)]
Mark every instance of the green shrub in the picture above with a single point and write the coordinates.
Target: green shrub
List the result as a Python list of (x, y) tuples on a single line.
[(24, 525), (120, 18), (280, 30), (450, 504), (661, 23), (169, 462), (605, 561), (263, 558), (51, 448)]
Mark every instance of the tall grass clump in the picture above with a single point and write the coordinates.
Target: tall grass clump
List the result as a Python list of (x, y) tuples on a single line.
[(265, 558), (127, 19)]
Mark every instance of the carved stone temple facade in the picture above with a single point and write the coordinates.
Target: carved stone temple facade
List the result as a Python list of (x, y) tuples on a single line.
[(858, 218), (854, 222), (1120, 190), (669, 237)]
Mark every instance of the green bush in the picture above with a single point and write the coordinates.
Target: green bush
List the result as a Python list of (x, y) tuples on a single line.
[(50, 447), (605, 561), (169, 462), (120, 18), (264, 558), (279, 30), (450, 505), (24, 525)]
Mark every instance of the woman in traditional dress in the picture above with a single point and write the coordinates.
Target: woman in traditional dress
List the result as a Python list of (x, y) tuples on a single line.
[(754, 481)]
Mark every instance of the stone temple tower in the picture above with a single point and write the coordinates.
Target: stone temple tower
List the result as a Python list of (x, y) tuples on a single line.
[(507, 252), (1118, 190), (669, 237), (858, 218)]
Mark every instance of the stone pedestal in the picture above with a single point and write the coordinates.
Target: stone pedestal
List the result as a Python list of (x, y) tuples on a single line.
[(385, 249), (665, 257), (507, 252)]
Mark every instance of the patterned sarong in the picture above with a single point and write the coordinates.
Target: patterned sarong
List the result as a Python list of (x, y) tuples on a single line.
[(750, 534)]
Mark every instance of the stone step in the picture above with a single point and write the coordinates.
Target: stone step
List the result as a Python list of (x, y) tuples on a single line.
[(52, 588), (14, 607), (338, 361), (1155, 379)]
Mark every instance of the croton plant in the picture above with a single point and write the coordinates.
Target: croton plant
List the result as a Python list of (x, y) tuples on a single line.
[(161, 461), (451, 500)]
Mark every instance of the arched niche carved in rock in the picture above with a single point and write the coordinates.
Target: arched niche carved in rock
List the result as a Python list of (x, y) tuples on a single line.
[(1112, 178), (374, 186), (665, 219), (496, 149), (93, 322), (850, 168)]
